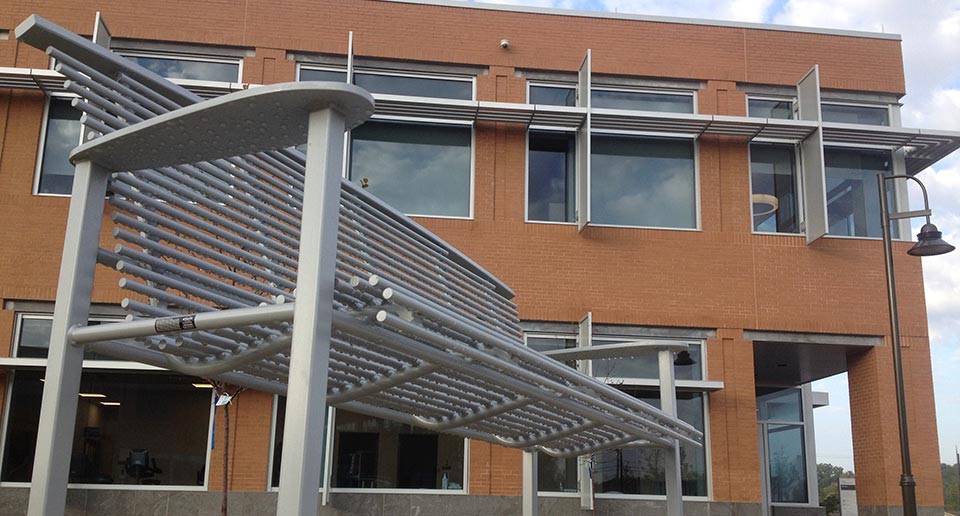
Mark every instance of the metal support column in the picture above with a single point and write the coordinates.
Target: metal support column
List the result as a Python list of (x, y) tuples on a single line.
[(58, 411), (529, 501), (668, 404), (310, 346)]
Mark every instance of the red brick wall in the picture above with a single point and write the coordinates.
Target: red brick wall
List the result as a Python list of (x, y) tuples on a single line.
[(720, 277)]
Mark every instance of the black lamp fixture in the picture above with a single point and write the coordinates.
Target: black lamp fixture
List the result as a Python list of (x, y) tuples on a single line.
[(684, 359), (930, 242)]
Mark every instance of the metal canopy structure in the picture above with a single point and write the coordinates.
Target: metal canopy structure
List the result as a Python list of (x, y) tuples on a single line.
[(250, 262)]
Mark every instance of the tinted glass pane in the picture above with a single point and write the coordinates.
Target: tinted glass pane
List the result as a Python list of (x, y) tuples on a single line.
[(138, 428), (855, 114), (417, 169), (770, 108), (788, 473), (549, 344), (376, 453), (307, 74), (550, 187), (853, 204), (644, 366), (33, 340), (173, 68), (643, 182), (556, 475), (63, 134), (641, 101), (415, 86), (782, 405), (553, 96), (640, 470), (774, 181)]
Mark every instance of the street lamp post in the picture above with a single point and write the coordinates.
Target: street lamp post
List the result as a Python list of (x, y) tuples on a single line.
[(929, 243)]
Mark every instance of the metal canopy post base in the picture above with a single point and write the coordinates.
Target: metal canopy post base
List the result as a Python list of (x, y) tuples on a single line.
[(310, 346), (668, 404), (58, 412), (529, 500)]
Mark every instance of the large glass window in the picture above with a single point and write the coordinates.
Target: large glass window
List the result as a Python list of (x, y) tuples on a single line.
[(419, 169), (615, 370), (551, 179), (643, 182), (641, 101), (868, 115), (124, 430), (773, 181), (190, 68), (61, 135), (553, 95), (641, 470), (853, 204)]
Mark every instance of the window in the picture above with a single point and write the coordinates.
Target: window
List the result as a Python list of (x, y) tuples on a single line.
[(419, 169), (773, 182), (373, 453), (33, 336), (640, 470), (780, 413), (641, 101), (648, 182), (316, 74), (636, 471), (441, 88), (770, 108), (122, 429), (188, 67), (553, 95), (551, 177), (853, 204), (853, 114), (61, 134)]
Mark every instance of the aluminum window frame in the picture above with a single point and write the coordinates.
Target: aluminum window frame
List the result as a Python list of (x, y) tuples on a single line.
[(879, 105), (15, 363), (793, 100), (807, 427), (526, 177), (706, 386), (897, 198), (600, 86), (327, 475)]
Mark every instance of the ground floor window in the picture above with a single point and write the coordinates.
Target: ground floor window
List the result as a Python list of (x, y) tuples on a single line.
[(131, 428), (374, 453)]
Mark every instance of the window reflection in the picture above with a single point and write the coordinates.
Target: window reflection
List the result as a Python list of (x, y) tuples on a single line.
[(62, 135), (762, 108), (853, 204), (641, 101), (418, 169), (643, 182), (309, 74), (553, 96), (174, 68), (644, 366), (415, 86), (33, 337), (551, 181), (788, 473), (855, 114)]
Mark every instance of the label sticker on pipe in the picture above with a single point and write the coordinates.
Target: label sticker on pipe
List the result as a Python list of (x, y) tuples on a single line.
[(169, 324)]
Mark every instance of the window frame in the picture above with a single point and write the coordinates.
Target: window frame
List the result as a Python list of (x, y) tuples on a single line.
[(894, 190), (328, 464), (647, 384), (13, 363), (472, 79), (599, 86), (844, 103), (526, 178), (774, 98), (199, 57)]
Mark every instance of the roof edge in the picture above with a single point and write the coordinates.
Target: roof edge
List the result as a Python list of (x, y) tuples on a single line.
[(648, 18)]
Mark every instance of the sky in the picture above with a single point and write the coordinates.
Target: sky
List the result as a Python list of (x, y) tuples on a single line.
[(931, 53)]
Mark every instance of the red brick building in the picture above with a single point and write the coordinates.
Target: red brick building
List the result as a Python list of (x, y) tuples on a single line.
[(698, 235)]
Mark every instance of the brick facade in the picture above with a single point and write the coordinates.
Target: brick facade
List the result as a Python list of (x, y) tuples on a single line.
[(722, 277)]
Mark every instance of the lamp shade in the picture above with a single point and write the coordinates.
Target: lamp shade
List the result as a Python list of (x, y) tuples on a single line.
[(684, 359), (930, 242)]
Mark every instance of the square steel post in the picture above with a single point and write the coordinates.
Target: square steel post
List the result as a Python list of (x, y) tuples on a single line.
[(58, 411), (529, 495), (668, 404), (310, 346)]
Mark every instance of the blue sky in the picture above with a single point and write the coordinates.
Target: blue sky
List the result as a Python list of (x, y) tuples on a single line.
[(931, 52)]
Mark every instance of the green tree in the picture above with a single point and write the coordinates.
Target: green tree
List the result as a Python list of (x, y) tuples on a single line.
[(951, 480), (827, 475)]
